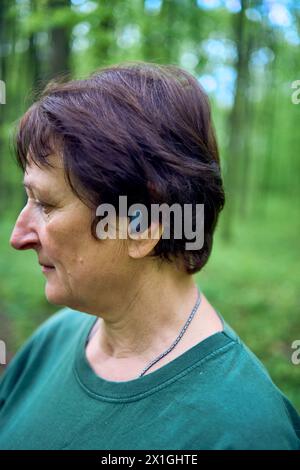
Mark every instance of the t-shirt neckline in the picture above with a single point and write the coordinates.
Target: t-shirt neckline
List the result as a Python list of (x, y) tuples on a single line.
[(134, 389)]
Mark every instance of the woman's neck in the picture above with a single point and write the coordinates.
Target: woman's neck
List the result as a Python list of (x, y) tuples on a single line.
[(148, 321)]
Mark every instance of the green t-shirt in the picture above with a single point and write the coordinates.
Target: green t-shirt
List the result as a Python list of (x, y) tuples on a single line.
[(216, 395)]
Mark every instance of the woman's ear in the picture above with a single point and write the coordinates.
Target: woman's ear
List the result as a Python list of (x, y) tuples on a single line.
[(140, 244)]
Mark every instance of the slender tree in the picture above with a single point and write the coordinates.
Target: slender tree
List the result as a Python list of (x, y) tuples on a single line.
[(237, 129), (59, 38)]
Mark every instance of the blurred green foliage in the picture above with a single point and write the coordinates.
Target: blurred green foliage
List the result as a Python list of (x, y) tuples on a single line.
[(246, 55)]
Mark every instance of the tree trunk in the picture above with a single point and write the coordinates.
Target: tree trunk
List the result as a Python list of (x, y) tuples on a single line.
[(59, 37), (237, 128)]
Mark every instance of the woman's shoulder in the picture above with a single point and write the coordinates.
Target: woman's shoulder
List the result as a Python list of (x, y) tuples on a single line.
[(245, 401), (61, 329), (54, 334), (64, 320), (48, 342)]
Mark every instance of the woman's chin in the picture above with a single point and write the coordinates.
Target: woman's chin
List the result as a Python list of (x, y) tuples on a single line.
[(55, 294)]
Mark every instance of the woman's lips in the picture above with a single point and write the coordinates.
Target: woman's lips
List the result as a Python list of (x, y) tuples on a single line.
[(47, 268)]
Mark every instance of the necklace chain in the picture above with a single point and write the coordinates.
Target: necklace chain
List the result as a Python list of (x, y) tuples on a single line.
[(195, 308)]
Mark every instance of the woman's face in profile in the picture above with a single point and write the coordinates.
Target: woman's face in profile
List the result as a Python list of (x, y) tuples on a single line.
[(57, 225)]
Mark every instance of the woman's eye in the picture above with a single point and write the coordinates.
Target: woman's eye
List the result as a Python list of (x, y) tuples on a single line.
[(46, 208)]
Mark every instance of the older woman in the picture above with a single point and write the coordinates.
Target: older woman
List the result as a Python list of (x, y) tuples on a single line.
[(138, 359)]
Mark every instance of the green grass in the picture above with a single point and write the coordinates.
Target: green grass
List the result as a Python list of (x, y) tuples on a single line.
[(253, 281)]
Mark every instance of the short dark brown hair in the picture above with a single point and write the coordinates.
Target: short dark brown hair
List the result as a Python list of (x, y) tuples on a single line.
[(141, 130)]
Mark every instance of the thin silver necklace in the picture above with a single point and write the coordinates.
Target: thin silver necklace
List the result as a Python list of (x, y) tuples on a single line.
[(195, 308)]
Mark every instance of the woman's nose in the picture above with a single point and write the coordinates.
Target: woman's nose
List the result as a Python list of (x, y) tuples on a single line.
[(24, 235)]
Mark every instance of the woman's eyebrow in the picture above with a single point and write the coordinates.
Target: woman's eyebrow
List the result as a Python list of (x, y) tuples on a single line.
[(32, 186), (44, 191)]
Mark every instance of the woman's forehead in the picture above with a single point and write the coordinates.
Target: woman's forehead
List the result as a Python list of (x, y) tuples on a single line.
[(46, 176), (54, 160)]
